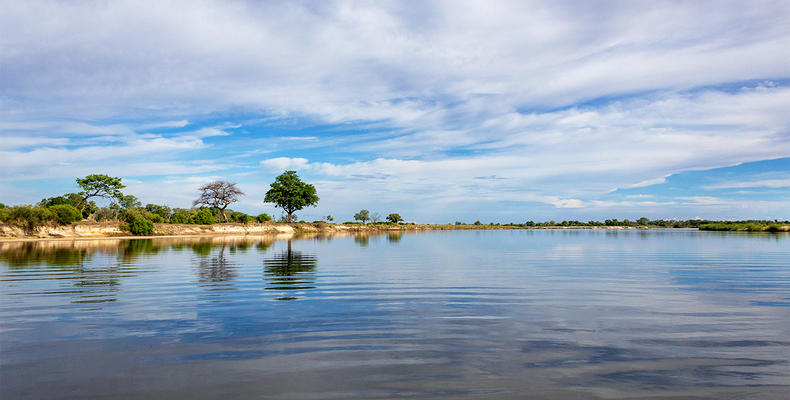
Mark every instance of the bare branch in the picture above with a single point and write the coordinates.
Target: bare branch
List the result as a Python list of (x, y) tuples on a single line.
[(219, 194)]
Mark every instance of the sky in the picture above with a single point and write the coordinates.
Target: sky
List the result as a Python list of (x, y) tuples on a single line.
[(441, 111)]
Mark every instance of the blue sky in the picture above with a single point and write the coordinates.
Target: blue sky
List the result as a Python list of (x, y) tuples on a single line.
[(441, 111)]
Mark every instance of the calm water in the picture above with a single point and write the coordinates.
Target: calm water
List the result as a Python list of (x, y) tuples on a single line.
[(467, 314)]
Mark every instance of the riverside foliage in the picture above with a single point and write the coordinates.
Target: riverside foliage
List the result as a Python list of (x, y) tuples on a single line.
[(287, 192)]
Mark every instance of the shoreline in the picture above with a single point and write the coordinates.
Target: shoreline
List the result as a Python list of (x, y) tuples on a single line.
[(94, 231)]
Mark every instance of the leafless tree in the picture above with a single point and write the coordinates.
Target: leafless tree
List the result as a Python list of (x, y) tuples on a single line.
[(219, 194)]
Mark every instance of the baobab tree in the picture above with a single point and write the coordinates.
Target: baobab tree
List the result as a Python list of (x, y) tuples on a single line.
[(218, 194)]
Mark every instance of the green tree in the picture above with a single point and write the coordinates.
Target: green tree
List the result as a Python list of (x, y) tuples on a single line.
[(162, 211), (129, 201), (291, 194), (394, 218), (99, 185), (138, 225), (363, 215), (203, 217), (30, 218), (179, 218), (65, 213), (264, 217)]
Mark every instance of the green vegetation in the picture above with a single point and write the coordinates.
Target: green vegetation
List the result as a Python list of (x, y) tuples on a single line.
[(291, 194), (363, 215), (98, 185), (203, 217), (394, 218), (748, 226), (137, 224), (65, 214), (264, 217)]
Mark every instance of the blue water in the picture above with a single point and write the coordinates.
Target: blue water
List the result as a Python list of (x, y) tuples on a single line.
[(454, 314)]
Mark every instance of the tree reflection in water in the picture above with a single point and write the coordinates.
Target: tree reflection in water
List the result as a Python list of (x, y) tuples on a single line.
[(217, 268), (290, 271)]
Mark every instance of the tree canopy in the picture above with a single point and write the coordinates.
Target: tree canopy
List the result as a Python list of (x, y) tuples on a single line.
[(219, 194), (99, 185), (291, 194), (394, 218), (362, 215)]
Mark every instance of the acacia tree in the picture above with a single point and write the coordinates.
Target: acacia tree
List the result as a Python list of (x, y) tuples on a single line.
[(394, 218), (98, 185), (291, 194), (363, 215), (218, 194)]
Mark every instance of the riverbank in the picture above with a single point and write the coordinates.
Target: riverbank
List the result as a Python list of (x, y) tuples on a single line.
[(92, 230), (745, 227)]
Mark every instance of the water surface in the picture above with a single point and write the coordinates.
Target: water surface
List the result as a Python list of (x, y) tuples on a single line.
[(461, 314)]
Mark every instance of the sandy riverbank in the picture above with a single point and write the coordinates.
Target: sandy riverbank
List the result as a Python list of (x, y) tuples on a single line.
[(110, 230)]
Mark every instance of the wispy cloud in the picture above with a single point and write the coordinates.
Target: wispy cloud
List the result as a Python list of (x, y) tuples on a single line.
[(414, 102), (768, 183)]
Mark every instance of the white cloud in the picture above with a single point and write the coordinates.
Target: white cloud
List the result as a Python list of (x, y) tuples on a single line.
[(766, 183), (513, 87), (285, 163)]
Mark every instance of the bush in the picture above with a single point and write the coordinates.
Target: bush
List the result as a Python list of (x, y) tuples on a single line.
[(264, 217), (30, 218), (65, 214), (4, 214), (236, 216), (203, 217), (163, 212), (179, 218), (138, 225), (156, 218)]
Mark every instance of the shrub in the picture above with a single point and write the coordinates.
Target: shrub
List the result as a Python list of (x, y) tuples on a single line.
[(65, 214), (156, 218), (138, 225), (30, 218), (179, 218), (264, 217), (236, 216), (4, 214), (203, 217), (163, 211)]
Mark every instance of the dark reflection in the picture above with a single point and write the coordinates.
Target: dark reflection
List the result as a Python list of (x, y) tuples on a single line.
[(290, 271), (217, 268), (394, 237), (362, 240)]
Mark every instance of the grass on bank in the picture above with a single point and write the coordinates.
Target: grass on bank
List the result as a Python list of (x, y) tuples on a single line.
[(747, 226)]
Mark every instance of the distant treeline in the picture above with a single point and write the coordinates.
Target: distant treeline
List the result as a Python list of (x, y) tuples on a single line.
[(702, 224), (287, 192), (641, 222)]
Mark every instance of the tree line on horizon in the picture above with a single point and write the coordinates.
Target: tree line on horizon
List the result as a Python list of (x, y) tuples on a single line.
[(288, 192)]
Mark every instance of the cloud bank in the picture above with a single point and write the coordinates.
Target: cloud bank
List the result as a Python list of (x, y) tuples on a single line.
[(423, 104)]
